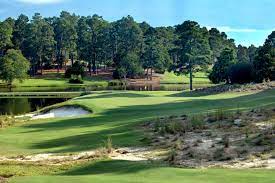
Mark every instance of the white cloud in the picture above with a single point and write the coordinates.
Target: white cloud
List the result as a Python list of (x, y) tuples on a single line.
[(230, 29), (40, 1), (245, 36)]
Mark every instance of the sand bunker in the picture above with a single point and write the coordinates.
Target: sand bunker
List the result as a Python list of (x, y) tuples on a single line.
[(62, 112), (127, 154)]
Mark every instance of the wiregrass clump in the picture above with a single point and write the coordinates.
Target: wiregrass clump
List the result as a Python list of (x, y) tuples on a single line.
[(6, 121), (175, 125), (108, 145)]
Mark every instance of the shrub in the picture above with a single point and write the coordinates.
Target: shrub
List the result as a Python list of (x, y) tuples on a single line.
[(197, 122), (220, 115), (220, 69), (128, 66), (241, 73), (172, 156), (76, 79), (6, 121), (76, 69), (160, 71), (225, 141), (174, 127)]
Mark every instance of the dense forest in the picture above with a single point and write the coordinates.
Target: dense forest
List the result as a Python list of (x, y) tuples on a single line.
[(78, 43)]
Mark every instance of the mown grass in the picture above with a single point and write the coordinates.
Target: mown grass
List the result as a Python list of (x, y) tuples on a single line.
[(57, 80), (144, 172), (171, 78), (118, 115)]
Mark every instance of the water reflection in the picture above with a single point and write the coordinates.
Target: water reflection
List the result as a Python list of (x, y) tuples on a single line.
[(134, 87), (25, 105)]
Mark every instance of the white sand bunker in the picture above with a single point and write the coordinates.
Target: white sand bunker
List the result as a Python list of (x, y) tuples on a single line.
[(62, 112)]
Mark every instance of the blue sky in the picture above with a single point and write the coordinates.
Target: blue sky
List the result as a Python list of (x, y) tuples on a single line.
[(246, 21)]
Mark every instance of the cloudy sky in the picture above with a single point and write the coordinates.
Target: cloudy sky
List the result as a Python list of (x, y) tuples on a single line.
[(246, 21)]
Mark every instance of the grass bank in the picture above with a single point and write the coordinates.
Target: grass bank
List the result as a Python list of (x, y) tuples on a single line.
[(117, 114), (58, 80), (142, 172), (171, 78)]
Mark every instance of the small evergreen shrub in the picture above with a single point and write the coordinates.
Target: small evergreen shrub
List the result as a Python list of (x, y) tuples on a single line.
[(241, 73), (76, 79), (76, 69)]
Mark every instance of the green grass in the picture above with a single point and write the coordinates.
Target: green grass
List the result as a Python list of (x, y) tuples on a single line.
[(171, 78), (142, 172), (119, 114), (55, 80), (116, 114)]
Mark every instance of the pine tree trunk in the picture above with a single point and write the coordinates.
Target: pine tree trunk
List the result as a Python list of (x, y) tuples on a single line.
[(151, 74), (125, 82), (191, 79), (94, 63), (90, 68), (58, 69), (72, 59), (41, 65)]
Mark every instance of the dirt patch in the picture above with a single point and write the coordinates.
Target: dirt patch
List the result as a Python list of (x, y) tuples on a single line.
[(237, 140), (3, 179), (236, 88), (61, 112), (129, 154), (135, 154)]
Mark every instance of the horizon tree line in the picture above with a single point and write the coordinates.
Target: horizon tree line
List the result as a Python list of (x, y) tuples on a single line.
[(130, 48)]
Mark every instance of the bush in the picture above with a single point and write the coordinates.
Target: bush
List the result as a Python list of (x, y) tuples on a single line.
[(241, 73), (128, 66), (6, 121), (160, 71), (76, 69), (76, 79)]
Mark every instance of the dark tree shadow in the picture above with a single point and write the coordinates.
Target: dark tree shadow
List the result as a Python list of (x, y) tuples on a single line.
[(212, 90), (112, 166)]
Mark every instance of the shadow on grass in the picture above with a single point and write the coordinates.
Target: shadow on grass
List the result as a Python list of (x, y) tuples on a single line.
[(112, 167), (112, 94), (212, 90), (121, 123)]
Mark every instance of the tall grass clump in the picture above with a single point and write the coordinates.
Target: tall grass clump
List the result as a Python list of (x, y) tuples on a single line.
[(108, 144), (220, 114), (197, 122), (6, 121), (175, 125)]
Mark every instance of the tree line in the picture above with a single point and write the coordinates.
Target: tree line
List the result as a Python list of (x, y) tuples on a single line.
[(130, 48)]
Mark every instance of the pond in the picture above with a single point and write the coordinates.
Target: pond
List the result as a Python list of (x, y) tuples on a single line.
[(23, 105), (134, 87), (17, 106)]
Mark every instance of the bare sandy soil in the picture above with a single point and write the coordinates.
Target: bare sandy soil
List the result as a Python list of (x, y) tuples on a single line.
[(243, 140), (129, 154), (62, 112)]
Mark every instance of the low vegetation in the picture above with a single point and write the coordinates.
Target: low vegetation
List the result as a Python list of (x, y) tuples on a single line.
[(99, 131), (236, 139), (8, 120)]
